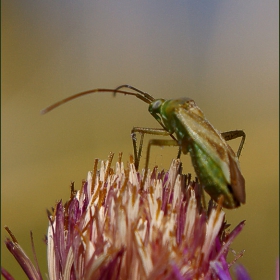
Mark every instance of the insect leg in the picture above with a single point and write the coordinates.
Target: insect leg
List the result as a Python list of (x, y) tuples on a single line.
[(143, 131), (229, 135), (155, 142)]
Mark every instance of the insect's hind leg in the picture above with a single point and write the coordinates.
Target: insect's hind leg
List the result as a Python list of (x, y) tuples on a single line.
[(142, 131), (229, 135)]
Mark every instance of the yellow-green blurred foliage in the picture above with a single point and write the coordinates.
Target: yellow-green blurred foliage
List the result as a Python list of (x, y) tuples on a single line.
[(223, 54)]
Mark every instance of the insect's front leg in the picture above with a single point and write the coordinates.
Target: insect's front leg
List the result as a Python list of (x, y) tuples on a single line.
[(229, 135), (142, 131)]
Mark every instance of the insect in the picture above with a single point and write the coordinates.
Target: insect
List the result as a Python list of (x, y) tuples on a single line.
[(215, 163)]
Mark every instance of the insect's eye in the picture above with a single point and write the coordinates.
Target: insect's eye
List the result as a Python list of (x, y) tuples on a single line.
[(155, 106)]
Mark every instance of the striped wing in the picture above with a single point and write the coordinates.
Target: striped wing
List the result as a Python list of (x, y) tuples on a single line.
[(210, 141)]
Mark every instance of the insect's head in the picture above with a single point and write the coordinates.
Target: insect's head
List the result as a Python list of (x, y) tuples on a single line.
[(155, 107)]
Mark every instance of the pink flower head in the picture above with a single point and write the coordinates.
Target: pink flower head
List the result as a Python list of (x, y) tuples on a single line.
[(110, 229)]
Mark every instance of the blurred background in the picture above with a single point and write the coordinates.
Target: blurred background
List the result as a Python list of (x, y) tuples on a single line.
[(223, 54)]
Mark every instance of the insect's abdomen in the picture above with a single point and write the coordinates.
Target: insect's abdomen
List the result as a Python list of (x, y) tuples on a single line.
[(213, 160), (212, 177)]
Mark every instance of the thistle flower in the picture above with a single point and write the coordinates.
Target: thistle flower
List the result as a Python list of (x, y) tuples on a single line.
[(109, 229)]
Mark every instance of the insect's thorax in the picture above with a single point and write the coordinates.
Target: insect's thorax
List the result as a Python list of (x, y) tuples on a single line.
[(164, 111)]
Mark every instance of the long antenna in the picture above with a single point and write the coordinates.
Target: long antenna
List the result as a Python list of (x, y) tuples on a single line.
[(141, 95), (148, 96)]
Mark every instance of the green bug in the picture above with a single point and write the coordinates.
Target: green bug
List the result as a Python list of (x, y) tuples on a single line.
[(215, 163)]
